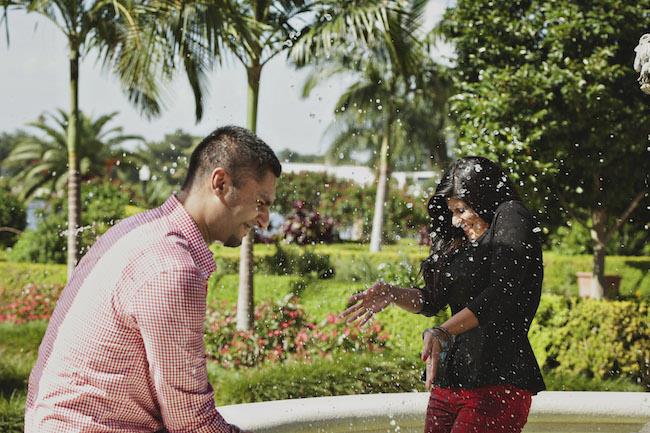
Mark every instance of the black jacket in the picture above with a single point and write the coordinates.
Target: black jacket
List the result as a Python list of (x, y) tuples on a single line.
[(499, 278)]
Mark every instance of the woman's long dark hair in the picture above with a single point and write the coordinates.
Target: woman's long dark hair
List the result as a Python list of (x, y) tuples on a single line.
[(477, 181)]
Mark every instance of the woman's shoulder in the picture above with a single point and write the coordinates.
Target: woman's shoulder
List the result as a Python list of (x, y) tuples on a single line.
[(512, 208), (513, 215)]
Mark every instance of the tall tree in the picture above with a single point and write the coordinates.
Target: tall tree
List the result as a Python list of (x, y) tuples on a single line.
[(393, 81), (547, 88), (39, 160), (419, 139), (284, 25), (140, 42)]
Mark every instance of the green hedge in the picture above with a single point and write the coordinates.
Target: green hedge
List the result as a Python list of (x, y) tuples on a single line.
[(342, 375), (15, 276), (353, 263), (358, 374), (596, 339)]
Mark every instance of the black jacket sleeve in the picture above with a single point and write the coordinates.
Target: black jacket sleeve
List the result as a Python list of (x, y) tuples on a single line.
[(512, 253)]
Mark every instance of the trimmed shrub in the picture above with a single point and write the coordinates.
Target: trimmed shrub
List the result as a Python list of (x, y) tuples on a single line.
[(44, 244), (15, 276), (596, 339), (300, 261), (103, 205), (344, 374)]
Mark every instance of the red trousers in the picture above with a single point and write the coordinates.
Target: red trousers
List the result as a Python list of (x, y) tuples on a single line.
[(489, 409)]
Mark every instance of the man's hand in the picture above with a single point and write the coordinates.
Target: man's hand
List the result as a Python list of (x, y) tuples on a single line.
[(431, 349), (366, 304)]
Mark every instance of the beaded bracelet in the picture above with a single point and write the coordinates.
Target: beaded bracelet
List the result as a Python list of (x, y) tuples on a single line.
[(444, 343)]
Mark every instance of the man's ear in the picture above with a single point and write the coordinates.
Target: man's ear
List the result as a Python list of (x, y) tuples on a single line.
[(220, 181)]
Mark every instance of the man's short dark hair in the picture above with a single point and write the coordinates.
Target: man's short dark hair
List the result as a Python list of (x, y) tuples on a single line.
[(237, 150)]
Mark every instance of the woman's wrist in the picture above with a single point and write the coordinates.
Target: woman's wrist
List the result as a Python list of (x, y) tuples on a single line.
[(441, 334)]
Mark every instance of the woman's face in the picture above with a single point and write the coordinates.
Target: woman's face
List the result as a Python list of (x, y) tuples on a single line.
[(466, 218)]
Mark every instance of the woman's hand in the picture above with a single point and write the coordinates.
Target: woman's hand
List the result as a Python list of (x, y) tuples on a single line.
[(431, 348), (366, 304)]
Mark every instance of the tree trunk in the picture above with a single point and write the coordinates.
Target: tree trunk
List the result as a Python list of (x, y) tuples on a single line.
[(246, 294), (382, 190), (598, 236), (74, 195)]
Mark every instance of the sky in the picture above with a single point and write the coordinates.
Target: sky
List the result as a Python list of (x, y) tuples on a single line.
[(34, 79)]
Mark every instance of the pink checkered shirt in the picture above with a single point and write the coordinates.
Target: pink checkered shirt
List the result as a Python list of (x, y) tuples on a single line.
[(124, 349)]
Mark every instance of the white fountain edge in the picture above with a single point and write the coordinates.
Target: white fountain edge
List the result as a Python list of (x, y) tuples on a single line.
[(408, 409)]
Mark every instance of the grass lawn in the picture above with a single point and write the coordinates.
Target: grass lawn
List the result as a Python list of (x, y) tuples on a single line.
[(18, 352)]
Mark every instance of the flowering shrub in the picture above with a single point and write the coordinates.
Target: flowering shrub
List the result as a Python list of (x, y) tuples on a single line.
[(304, 226), (281, 332), (35, 303)]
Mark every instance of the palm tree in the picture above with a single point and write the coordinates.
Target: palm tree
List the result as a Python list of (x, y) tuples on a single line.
[(372, 108), (308, 26), (40, 160), (418, 141), (141, 42)]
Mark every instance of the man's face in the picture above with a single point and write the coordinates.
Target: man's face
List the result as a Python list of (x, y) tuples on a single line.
[(249, 207)]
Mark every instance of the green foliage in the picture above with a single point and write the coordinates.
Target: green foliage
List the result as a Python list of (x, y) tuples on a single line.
[(311, 188), (18, 351), (345, 374), (44, 244), (601, 339), (351, 204), (12, 215), (547, 88), (574, 238), (300, 261), (8, 141), (167, 161), (104, 205), (15, 276), (287, 155), (12, 413), (305, 226), (571, 382)]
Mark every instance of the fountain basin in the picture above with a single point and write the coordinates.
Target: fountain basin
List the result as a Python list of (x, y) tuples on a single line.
[(551, 412)]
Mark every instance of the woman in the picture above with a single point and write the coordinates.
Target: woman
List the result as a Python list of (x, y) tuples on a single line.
[(486, 264)]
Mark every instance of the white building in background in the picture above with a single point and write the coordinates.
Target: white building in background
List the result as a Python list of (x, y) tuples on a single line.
[(364, 175)]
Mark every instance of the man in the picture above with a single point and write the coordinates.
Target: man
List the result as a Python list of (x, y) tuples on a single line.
[(124, 349)]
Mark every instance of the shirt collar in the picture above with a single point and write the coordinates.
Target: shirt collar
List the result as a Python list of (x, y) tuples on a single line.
[(184, 222)]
